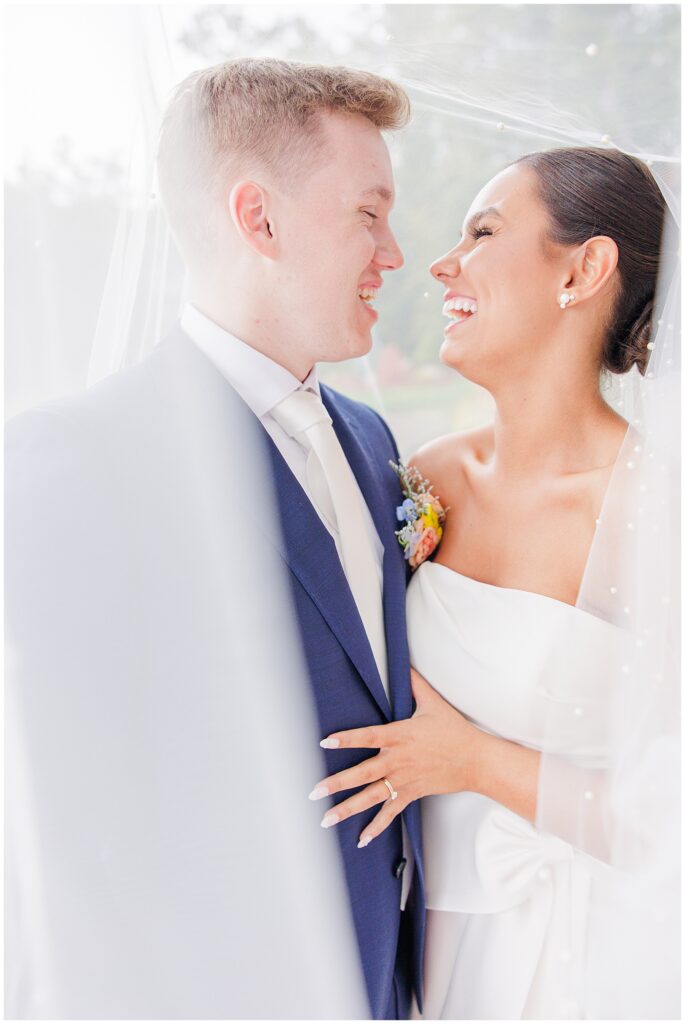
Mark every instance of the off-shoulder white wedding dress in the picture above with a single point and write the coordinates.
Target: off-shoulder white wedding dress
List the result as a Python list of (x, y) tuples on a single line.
[(506, 903)]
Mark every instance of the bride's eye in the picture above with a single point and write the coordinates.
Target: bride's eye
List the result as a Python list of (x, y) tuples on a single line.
[(479, 231)]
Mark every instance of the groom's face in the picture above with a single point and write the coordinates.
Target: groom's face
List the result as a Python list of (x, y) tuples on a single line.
[(336, 243)]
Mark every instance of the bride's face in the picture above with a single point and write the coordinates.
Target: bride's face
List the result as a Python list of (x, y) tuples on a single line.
[(504, 266)]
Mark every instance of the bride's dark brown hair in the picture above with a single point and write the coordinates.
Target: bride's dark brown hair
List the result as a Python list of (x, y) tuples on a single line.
[(589, 192)]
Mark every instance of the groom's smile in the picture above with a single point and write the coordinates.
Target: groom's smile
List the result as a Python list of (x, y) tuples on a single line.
[(336, 241), (368, 293)]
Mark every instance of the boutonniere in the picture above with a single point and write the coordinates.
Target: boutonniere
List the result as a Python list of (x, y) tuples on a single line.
[(422, 514)]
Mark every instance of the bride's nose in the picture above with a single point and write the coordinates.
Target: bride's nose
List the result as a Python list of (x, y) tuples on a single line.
[(446, 266)]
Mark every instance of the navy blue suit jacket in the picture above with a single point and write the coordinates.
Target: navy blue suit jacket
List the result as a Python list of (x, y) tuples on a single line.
[(347, 687)]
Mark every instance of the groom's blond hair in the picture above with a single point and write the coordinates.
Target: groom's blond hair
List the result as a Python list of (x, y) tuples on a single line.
[(255, 116)]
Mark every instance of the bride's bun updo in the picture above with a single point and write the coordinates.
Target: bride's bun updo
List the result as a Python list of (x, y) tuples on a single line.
[(589, 192)]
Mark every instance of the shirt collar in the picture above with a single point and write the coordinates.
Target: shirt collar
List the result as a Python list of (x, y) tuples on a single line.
[(260, 381)]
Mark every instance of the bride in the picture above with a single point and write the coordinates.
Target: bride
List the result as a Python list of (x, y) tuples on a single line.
[(551, 284)]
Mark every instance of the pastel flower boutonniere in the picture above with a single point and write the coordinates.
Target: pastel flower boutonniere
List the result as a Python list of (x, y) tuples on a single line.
[(422, 514)]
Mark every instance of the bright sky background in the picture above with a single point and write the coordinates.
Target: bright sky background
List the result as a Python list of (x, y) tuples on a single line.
[(87, 71), (77, 70), (64, 75)]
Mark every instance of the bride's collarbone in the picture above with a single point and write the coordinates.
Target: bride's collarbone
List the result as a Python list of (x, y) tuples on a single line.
[(522, 544), (525, 533)]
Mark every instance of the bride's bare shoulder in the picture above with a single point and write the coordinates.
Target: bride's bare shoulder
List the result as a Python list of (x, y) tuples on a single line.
[(444, 460)]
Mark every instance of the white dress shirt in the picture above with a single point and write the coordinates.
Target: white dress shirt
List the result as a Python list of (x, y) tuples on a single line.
[(262, 384)]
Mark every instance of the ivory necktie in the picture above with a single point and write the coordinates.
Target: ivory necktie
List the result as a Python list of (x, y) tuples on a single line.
[(336, 495)]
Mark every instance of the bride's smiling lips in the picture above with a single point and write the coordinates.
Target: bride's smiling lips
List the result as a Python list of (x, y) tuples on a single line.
[(459, 308)]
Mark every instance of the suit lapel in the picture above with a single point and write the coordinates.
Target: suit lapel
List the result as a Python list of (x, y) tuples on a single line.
[(382, 508), (313, 558)]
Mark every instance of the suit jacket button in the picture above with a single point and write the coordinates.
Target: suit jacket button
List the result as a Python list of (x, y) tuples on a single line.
[(400, 866)]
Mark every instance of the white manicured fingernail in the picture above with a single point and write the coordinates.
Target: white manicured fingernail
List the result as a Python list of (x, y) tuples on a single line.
[(330, 819), (318, 793), (364, 842), (330, 744)]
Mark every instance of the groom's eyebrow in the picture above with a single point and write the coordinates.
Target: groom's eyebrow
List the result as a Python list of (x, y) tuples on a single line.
[(378, 190)]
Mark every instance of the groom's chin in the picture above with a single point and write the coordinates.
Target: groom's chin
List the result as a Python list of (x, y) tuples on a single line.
[(363, 349), (359, 344)]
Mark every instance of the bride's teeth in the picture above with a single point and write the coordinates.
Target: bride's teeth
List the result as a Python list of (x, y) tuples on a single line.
[(453, 306)]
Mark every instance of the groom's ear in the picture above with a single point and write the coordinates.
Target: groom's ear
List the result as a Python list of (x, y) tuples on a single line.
[(592, 267), (248, 204)]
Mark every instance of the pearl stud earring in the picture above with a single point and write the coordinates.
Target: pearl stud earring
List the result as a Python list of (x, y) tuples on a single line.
[(565, 298)]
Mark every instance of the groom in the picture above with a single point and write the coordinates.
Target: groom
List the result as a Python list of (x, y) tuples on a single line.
[(278, 187)]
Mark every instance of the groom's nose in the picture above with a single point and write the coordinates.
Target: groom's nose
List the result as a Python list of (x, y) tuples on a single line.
[(388, 254)]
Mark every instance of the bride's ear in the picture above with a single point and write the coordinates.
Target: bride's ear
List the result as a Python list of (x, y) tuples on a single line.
[(249, 206), (592, 269)]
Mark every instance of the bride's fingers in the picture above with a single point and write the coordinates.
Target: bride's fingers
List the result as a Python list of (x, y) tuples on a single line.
[(369, 797), (368, 771), (373, 736), (385, 817)]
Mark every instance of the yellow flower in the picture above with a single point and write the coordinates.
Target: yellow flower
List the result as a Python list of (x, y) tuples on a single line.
[(429, 518)]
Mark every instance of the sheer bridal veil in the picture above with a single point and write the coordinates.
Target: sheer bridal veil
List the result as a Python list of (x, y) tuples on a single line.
[(487, 84), (610, 780)]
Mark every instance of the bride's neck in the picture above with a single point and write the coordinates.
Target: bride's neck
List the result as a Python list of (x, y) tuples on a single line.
[(555, 426)]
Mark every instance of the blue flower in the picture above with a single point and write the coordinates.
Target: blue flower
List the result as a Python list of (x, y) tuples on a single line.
[(406, 512)]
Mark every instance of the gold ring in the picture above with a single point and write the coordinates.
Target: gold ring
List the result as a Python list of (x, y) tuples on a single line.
[(393, 792)]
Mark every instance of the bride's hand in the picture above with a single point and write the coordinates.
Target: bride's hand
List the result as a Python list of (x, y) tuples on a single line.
[(434, 751)]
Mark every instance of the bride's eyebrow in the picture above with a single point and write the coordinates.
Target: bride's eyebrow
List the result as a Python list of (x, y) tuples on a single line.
[(489, 211)]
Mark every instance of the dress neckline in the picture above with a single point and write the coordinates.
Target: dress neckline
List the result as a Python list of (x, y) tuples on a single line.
[(630, 434), (469, 580)]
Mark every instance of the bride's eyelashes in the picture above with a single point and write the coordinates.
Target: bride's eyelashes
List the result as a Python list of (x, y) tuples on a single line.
[(479, 231)]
